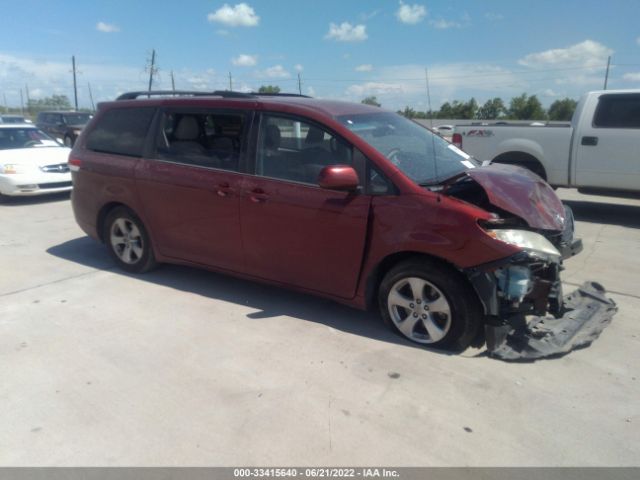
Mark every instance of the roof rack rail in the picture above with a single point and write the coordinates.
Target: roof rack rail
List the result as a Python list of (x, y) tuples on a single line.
[(193, 93), (280, 95)]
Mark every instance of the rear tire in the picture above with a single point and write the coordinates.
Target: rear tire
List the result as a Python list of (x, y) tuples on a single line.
[(522, 160), (128, 241), (430, 303)]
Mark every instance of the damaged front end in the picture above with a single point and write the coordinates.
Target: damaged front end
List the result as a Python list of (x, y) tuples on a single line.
[(527, 315)]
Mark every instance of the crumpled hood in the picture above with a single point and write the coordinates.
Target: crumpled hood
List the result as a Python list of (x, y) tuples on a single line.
[(521, 192)]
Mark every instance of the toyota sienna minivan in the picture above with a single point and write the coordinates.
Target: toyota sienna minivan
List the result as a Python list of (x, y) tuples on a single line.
[(342, 200)]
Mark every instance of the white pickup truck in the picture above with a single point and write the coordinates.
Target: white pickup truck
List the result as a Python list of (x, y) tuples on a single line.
[(599, 152)]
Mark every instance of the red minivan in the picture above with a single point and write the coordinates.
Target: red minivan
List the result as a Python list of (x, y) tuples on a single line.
[(342, 200)]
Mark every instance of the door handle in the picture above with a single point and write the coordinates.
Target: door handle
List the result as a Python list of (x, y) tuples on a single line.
[(257, 195), (589, 141), (224, 190)]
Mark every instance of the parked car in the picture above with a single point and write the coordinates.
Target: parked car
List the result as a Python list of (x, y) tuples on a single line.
[(65, 126), (7, 118), (31, 162), (596, 153), (342, 200), (445, 131)]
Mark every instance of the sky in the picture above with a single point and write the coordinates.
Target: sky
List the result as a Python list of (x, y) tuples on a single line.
[(340, 49)]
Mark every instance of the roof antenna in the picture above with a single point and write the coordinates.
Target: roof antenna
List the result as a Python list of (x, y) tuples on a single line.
[(433, 139)]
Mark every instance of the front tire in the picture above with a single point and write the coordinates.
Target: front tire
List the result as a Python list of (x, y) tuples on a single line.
[(128, 241), (431, 304)]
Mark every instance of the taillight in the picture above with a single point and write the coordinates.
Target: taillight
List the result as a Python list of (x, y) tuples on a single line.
[(74, 164), (456, 139)]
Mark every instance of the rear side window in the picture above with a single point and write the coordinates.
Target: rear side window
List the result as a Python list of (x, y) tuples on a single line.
[(618, 111), (121, 131)]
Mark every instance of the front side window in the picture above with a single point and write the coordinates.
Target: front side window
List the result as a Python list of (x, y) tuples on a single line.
[(297, 150), (618, 111), (207, 139), (424, 157), (121, 131)]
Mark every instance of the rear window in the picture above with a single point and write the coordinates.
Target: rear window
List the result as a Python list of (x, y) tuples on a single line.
[(121, 131), (618, 111)]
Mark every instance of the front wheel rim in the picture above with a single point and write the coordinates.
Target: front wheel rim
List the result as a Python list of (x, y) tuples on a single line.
[(419, 310), (126, 241)]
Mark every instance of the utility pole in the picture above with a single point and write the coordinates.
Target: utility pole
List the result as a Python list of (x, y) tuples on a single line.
[(21, 103), (28, 99), (173, 82), (75, 86), (230, 83), (6, 105), (93, 107), (299, 84), (606, 75), (152, 69)]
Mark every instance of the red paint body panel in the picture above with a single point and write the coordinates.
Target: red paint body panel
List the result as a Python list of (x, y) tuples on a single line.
[(303, 235), (193, 211)]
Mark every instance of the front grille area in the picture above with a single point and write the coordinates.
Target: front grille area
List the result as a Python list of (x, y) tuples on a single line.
[(54, 185), (58, 168)]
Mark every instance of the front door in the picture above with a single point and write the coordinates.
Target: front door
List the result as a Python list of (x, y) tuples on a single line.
[(607, 149), (190, 186), (293, 231)]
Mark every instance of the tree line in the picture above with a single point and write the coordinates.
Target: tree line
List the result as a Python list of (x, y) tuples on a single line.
[(522, 107)]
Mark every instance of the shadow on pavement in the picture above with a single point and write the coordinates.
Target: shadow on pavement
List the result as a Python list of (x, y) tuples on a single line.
[(6, 201), (270, 301), (606, 213)]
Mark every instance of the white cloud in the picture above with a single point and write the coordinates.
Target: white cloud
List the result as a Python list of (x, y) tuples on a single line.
[(107, 27), (311, 92), (222, 32), (442, 24), (367, 67), (638, 40), (345, 32), (547, 92), (244, 60), (631, 77), (277, 71), (411, 14), (375, 88), (298, 67), (588, 54), (240, 15), (493, 17)]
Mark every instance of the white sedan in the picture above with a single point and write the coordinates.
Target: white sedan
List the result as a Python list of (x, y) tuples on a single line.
[(31, 162)]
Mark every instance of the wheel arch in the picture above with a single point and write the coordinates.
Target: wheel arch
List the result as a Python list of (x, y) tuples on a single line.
[(376, 275), (102, 215), (527, 160)]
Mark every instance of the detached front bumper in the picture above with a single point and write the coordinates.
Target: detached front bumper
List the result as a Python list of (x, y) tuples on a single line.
[(586, 313)]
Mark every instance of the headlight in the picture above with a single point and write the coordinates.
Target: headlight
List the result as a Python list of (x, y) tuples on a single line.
[(8, 168), (529, 241)]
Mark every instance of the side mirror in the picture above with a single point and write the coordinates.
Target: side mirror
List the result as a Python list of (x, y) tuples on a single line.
[(338, 177)]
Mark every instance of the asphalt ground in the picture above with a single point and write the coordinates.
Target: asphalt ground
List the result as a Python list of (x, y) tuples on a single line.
[(187, 367)]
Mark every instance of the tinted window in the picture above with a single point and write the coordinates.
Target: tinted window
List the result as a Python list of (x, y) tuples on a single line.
[(121, 131), (618, 111), (293, 149), (204, 138), (77, 118)]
